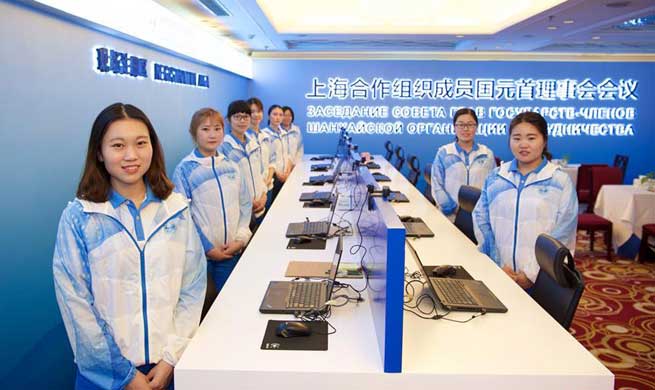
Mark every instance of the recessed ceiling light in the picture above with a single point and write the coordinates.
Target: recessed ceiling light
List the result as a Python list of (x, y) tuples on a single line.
[(595, 38), (552, 27), (459, 36), (569, 21)]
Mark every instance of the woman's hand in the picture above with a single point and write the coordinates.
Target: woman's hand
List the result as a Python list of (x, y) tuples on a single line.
[(160, 375), (259, 204), (234, 247), (218, 253), (139, 382), (523, 281), (510, 272)]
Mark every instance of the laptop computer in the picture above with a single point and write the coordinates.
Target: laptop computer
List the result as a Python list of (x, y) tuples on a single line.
[(372, 165), (398, 197), (380, 177), (415, 227), (312, 229), (321, 157), (320, 167), (460, 294), (322, 196), (291, 297)]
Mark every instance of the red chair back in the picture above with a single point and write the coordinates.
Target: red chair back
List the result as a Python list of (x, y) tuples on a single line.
[(583, 186), (604, 175)]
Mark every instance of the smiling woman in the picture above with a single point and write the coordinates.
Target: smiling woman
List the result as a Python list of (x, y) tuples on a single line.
[(522, 199), (127, 235)]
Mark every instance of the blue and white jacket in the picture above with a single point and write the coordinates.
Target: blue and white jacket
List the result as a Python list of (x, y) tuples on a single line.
[(248, 157), (280, 147), (268, 151), (220, 203), (130, 284), (296, 149), (514, 209), (453, 168)]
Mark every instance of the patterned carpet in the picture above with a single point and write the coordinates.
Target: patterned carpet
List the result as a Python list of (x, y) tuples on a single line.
[(615, 319)]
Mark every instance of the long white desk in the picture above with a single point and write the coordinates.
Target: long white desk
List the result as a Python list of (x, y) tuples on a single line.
[(524, 347)]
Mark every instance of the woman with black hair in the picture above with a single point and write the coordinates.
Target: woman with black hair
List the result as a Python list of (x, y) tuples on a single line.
[(524, 198), (463, 162), (129, 268)]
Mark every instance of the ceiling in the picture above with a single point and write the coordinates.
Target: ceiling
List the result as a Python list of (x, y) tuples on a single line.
[(573, 26)]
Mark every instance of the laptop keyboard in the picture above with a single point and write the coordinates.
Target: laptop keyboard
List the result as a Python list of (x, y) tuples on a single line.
[(315, 228), (305, 294), (453, 291)]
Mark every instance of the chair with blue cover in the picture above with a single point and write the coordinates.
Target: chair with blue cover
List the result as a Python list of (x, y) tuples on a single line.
[(400, 157), (559, 285), (414, 169), (467, 198), (427, 176), (389, 147)]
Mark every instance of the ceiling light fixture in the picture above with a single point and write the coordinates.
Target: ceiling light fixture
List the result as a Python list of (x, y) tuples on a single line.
[(569, 21), (552, 27), (386, 17), (595, 38)]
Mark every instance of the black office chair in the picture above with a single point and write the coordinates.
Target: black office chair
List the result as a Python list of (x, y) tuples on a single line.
[(389, 147), (414, 170), (210, 296), (427, 176), (559, 285), (467, 198), (400, 157), (621, 161)]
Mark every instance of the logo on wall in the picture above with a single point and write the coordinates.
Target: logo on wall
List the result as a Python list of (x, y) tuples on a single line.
[(110, 61), (424, 106)]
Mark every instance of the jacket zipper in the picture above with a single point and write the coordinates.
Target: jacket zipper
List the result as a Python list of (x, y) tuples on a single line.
[(220, 190)]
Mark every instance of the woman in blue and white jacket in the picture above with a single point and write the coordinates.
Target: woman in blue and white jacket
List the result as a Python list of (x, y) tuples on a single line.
[(280, 144), (266, 147), (242, 148), (296, 149), (524, 198), (129, 269), (220, 203), (463, 162)]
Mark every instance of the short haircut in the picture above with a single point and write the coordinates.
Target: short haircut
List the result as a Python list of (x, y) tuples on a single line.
[(95, 183), (238, 106), (464, 111)]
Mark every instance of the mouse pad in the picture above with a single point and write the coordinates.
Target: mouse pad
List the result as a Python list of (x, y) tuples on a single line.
[(295, 243), (460, 272), (317, 341)]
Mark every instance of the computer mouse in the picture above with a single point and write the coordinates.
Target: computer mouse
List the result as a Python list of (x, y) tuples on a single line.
[(443, 270), (293, 329)]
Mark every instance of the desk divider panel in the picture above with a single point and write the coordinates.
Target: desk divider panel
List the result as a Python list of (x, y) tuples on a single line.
[(383, 236)]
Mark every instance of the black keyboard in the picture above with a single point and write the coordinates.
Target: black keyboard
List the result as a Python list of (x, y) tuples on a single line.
[(453, 291), (305, 295), (316, 228)]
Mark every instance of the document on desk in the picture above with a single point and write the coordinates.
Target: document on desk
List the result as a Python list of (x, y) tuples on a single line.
[(321, 269)]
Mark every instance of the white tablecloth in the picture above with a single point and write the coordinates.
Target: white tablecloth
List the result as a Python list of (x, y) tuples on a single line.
[(628, 208)]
